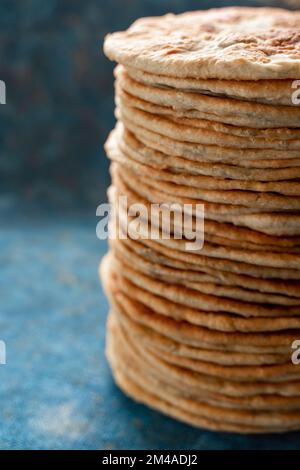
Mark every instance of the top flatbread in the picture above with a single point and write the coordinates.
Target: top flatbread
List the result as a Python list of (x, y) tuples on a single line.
[(228, 43)]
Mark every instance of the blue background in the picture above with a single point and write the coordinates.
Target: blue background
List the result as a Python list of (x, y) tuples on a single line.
[(56, 391)]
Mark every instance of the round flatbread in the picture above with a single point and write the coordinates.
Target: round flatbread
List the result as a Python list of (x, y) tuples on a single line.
[(228, 43)]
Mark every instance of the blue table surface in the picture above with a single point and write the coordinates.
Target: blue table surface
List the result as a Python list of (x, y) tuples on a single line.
[(56, 390)]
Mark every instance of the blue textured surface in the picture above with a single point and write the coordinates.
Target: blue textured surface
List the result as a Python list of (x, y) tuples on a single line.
[(56, 391)]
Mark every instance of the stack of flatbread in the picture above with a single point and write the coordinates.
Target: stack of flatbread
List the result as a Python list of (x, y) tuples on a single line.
[(208, 114)]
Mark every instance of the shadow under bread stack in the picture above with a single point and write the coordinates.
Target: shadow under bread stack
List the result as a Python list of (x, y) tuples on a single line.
[(208, 114)]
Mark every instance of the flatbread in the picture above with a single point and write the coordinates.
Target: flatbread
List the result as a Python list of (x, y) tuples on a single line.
[(207, 119), (141, 395), (236, 43), (209, 311), (276, 92), (124, 99), (274, 224), (174, 250), (258, 402), (184, 131), (265, 259), (131, 146), (260, 158), (224, 207), (198, 182), (192, 335), (125, 358), (214, 232), (182, 269), (140, 333), (225, 110), (197, 383), (207, 284), (248, 374), (239, 234)]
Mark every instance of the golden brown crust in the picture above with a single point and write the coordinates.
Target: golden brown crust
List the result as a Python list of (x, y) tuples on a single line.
[(235, 43)]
